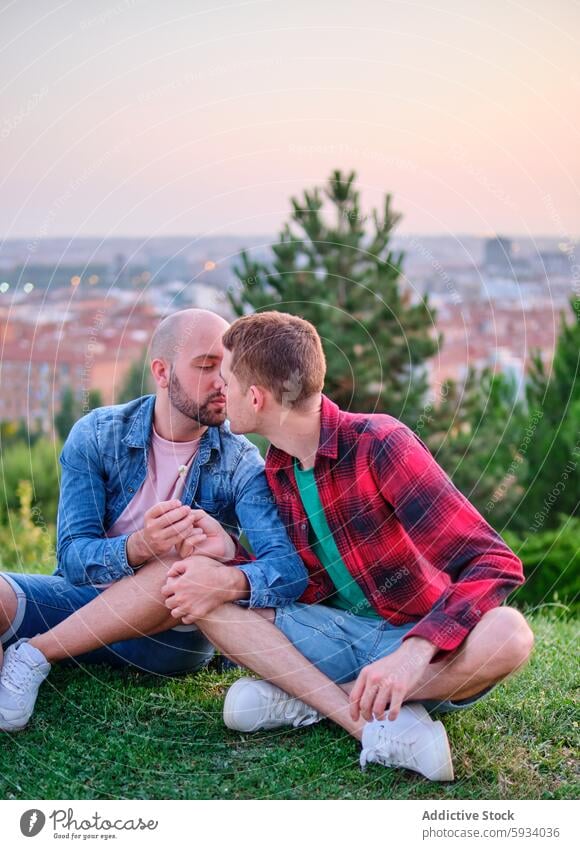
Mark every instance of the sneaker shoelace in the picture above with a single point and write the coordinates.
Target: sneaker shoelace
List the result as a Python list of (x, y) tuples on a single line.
[(286, 708), (17, 675), (390, 751)]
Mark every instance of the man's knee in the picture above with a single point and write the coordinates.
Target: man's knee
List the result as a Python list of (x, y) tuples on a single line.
[(155, 566), (149, 578), (511, 639), (8, 605)]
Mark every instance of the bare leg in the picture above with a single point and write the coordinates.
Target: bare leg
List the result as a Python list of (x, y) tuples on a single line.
[(8, 606), (251, 639), (497, 646), (129, 608)]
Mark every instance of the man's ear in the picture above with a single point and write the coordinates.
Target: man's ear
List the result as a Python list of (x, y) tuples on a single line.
[(161, 371), (258, 398)]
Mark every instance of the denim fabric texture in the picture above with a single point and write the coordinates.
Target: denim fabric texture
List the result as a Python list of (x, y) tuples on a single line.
[(43, 601), (104, 463), (340, 644)]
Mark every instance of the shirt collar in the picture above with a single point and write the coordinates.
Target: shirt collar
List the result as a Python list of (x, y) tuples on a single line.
[(328, 445), (141, 427)]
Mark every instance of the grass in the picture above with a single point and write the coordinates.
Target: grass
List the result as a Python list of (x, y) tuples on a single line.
[(99, 734)]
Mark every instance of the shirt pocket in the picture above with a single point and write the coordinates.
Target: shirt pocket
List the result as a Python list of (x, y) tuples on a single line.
[(211, 495)]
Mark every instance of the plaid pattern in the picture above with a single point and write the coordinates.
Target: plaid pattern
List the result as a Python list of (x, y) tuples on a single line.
[(415, 545)]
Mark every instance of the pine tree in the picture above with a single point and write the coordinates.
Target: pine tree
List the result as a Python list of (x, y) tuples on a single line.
[(137, 381), (478, 434), (553, 484), (335, 267), (72, 408), (95, 399), (67, 415)]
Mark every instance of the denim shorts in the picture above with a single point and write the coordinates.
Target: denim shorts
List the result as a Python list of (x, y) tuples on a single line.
[(340, 644), (45, 600)]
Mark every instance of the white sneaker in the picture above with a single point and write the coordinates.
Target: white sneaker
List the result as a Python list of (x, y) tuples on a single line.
[(412, 740), (23, 671), (252, 705)]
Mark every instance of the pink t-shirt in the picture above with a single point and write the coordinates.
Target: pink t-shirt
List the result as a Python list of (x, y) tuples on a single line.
[(167, 469)]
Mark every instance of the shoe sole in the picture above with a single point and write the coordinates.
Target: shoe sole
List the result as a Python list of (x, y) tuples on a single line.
[(12, 728)]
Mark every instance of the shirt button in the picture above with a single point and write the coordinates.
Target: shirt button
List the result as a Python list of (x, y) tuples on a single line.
[(303, 526), (130, 489)]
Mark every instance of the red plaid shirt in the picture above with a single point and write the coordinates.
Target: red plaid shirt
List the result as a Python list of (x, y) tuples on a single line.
[(414, 544)]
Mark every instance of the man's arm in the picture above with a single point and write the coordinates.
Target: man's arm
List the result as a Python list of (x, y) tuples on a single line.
[(450, 533), (277, 576), (83, 552), (274, 577)]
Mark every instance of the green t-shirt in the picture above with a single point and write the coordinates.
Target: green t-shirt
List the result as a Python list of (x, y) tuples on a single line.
[(349, 595)]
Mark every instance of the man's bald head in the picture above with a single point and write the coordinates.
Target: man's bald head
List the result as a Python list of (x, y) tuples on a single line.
[(186, 354), (190, 331)]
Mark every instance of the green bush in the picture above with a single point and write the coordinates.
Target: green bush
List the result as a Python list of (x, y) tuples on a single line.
[(38, 464), (26, 543), (551, 561)]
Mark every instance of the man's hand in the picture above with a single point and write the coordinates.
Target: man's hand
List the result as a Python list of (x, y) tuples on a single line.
[(166, 525), (210, 539), (197, 586), (389, 680)]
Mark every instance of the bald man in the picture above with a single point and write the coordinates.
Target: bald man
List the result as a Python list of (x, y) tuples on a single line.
[(142, 482)]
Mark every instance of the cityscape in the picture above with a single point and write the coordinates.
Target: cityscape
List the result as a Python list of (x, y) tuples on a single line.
[(79, 312)]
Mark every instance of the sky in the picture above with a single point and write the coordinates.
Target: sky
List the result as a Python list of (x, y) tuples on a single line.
[(161, 117)]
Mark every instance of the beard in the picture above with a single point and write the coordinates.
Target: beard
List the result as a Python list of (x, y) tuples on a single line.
[(201, 413)]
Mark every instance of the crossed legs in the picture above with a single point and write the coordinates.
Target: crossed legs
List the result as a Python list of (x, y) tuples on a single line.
[(497, 646), (134, 606)]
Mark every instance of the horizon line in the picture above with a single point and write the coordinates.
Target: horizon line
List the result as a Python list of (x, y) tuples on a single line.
[(471, 235)]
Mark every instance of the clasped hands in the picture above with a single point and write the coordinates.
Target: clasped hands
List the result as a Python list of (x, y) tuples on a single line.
[(198, 582), (171, 524)]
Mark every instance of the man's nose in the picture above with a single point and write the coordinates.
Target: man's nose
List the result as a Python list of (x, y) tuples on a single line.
[(219, 383)]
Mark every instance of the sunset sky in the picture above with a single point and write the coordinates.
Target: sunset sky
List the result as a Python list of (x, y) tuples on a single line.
[(191, 116)]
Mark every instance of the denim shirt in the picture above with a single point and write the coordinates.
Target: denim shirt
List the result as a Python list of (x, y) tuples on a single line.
[(104, 463)]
